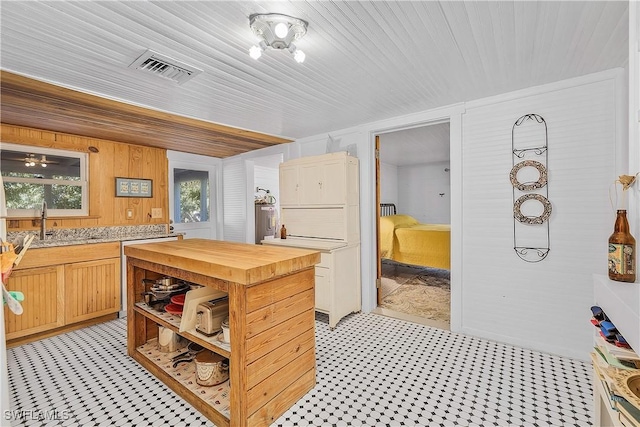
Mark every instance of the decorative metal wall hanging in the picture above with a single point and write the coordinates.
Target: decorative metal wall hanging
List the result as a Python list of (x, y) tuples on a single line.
[(523, 154)]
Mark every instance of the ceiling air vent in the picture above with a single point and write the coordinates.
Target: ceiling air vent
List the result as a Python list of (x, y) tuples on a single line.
[(163, 66)]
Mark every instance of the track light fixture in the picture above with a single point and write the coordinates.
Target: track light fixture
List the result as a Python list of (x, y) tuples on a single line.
[(278, 32)]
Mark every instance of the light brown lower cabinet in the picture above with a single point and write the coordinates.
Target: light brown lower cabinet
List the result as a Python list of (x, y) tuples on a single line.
[(61, 295), (43, 290), (92, 289)]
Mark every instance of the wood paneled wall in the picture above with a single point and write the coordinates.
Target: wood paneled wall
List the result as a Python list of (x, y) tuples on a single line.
[(113, 159)]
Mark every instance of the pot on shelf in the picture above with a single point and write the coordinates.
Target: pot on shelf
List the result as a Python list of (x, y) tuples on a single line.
[(165, 284), (151, 298), (211, 368), (169, 341), (159, 292)]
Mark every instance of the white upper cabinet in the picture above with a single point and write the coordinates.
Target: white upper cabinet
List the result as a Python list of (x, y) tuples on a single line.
[(319, 197), (289, 188), (318, 180), (310, 180)]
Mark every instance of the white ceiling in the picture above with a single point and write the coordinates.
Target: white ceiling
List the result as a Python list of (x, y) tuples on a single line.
[(416, 146), (366, 61)]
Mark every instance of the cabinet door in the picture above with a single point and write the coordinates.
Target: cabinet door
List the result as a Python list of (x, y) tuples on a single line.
[(288, 185), (92, 289), (43, 306), (311, 184), (323, 289), (334, 185)]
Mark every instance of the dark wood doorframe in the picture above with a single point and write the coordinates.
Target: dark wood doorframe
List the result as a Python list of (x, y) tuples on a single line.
[(378, 257)]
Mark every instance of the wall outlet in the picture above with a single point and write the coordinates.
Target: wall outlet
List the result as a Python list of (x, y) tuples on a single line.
[(156, 212), (129, 213)]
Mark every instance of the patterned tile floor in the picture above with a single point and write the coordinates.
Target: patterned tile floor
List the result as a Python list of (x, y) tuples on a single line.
[(372, 371)]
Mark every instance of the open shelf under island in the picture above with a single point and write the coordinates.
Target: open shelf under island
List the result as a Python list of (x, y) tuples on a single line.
[(271, 321)]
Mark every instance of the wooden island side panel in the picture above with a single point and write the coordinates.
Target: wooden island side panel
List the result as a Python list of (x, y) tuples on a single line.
[(271, 316), (280, 341)]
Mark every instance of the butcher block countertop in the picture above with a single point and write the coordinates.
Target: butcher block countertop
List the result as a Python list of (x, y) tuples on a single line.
[(236, 262)]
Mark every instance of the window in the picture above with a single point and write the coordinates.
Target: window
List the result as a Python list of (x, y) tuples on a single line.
[(191, 195), (33, 175)]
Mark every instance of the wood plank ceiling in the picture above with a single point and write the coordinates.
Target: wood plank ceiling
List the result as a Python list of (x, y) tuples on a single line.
[(366, 60), (32, 103)]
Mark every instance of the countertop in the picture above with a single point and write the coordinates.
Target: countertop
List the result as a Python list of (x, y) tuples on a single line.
[(48, 243), (236, 262), (306, 243), (91, 235)]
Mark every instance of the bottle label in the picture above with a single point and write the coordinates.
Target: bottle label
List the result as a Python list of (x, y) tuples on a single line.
[(621, 259)]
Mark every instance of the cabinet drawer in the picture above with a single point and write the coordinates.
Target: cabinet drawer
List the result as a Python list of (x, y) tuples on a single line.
[(43, 257), (323, 288), (326, 260)]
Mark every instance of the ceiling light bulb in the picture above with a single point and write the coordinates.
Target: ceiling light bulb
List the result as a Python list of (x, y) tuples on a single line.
[(255, 52), (44, 165), (27, 164), (276, 31), (299, 56), (32, 163), (281, 30)]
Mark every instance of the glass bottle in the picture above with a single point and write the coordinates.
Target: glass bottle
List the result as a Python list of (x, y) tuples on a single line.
[(283, 232), (622, 251)]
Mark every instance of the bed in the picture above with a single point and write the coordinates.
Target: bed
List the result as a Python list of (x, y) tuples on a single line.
[(404, 239)]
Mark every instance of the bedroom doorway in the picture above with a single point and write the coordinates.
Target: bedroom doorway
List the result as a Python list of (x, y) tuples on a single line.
[(413, 224)]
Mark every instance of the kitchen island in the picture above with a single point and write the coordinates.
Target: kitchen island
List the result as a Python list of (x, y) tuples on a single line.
[(271, 321)]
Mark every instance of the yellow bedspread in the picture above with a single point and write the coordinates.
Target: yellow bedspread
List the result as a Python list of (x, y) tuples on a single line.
[(405, 240)]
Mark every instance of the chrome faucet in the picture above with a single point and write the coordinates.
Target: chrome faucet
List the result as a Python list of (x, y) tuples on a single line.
[(43, 221)]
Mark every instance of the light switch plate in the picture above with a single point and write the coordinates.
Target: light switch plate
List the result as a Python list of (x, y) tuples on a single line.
[(129, 213), (156, 212)]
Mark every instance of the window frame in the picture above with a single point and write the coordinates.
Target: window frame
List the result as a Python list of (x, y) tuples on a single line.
[(83, 183), (177, 205)]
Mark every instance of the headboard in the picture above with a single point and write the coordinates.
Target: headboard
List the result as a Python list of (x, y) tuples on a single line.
[(387, 209)]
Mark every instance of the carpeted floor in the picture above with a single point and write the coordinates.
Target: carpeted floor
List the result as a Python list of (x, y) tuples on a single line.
[(415, 290)]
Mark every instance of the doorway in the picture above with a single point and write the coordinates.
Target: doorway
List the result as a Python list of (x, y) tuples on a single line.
[(264, 205), (413, 195), (193, 207)]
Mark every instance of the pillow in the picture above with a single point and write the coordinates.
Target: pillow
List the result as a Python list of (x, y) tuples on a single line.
[(399, 220), (388, 225)]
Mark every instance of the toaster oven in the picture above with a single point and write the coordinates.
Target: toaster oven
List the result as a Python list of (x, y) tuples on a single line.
[(210, 314)]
